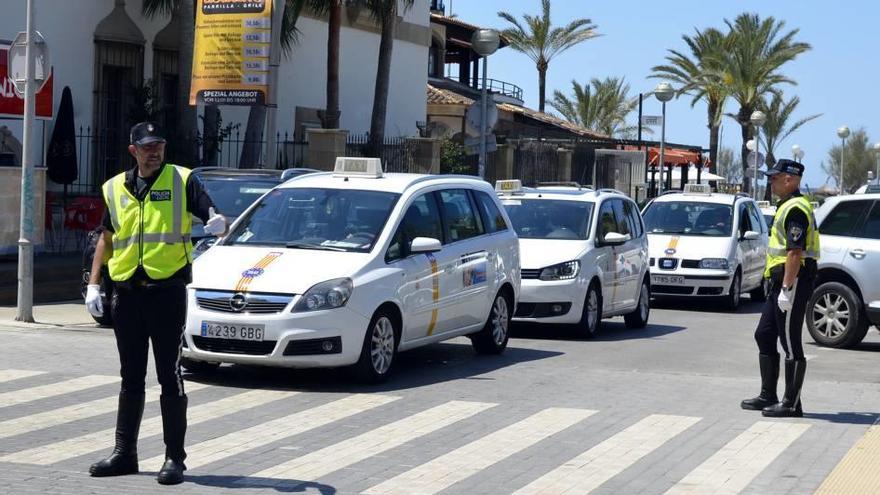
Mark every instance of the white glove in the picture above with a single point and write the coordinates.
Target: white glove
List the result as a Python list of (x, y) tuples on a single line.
[(93, 300), (216, 224), (784, 300)]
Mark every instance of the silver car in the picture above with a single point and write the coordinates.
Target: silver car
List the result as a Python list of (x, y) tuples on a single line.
[(846, 300)]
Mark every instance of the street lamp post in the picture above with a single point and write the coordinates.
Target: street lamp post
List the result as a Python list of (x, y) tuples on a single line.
[(664, 92), (796, 152), (484, 42), (757, 119), (842, 133), (876, 148)]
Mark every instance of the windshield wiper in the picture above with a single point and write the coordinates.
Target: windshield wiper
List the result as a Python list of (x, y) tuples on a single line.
[(319, 247)]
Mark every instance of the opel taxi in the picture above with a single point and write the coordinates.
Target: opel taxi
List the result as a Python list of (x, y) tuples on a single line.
[(706, 244), (350, 267), (584, 255)]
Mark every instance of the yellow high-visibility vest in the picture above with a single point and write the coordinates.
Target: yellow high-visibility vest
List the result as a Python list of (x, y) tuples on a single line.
[(776, 250), (153, 233)]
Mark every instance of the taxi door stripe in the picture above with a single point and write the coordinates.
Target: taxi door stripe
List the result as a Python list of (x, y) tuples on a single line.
[(17, 397), (461, 463), (597, 465), (92, 442), (317, 464), (272, 431), (435, 293), (9, 375), (244, 282), (75, 412), (733, 467)]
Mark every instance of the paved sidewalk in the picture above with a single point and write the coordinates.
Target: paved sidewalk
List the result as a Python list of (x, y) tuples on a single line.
[(60, 314)]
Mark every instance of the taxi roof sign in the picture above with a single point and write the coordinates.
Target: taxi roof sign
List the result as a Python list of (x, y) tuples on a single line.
[(509, 186), (705, 189), (349, 166)]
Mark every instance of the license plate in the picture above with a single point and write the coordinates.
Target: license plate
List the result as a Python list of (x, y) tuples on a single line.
[(667, 279), (216, 330)]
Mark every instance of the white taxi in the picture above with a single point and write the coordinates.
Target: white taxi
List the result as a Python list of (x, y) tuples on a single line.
[(350, 267), (584, 255), (706, 244)]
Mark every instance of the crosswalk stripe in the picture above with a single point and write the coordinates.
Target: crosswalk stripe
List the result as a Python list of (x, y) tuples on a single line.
[(597, 465), (75, 412), (277, 429), (9, 375), (735, 466), (468, 460), (16, 397), (85, 444), (857, 472), (343, 454)]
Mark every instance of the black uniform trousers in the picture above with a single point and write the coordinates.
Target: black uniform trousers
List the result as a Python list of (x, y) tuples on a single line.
[(785, 327)]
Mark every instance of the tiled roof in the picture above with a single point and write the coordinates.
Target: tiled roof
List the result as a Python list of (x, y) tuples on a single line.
[(438, 96)]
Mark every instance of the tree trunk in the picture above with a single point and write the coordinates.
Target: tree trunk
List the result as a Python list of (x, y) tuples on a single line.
[(210, 135), (542, 83), (771, 161), (252, 148), (186, 152), (383, 79), (331, 116), (746, 128), (713, 134)]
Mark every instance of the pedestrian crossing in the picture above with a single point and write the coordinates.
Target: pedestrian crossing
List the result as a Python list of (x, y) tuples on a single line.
[(293, 438)]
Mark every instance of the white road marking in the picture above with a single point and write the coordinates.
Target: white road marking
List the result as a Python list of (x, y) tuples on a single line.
[(597, 465), (9, 375), (16, 397), (470, 459)]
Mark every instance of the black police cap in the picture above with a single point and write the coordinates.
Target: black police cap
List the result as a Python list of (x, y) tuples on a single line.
[(145, 133), (786, 166)]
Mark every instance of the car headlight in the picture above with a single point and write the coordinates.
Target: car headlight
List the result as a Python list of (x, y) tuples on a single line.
[(562, 271), (326, 295), (714, 263)]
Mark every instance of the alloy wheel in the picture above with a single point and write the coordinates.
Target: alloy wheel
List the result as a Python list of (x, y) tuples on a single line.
[(382, 345)]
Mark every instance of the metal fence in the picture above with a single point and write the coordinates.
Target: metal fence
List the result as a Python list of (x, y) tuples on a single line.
[(535, 161)]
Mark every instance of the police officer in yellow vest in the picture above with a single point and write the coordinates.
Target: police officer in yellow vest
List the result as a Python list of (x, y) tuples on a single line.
[(146, 245), (791, 267)]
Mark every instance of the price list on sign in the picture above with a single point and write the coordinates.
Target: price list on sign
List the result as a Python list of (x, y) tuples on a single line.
[(231, 52)]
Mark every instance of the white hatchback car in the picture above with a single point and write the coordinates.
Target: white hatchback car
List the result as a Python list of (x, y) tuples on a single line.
[(347, 268), (706, 244), (584, 255)]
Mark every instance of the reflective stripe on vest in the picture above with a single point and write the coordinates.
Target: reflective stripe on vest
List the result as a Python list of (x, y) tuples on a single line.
[(776, 250), (153, 233)]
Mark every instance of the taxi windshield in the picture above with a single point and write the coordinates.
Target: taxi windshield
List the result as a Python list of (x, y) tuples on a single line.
[(314, 218), (689, 218), (549, 218), (232, 196)]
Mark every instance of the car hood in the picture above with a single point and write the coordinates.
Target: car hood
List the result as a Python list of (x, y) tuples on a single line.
[(263, 269), (539, 253), (688, 247)]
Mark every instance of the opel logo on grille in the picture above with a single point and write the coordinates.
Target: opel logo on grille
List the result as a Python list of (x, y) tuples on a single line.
[(238, 302)]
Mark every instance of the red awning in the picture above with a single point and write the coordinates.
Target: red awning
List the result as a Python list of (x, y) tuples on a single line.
[(672, 156)]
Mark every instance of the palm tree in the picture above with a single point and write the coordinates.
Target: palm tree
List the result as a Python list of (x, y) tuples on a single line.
[(758, 49), (331, 113), (540, 41), (600, 105), (700, 76), (858, 160), (779, 126), (385, 13)]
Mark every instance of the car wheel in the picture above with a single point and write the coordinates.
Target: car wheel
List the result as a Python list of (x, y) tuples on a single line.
[(591, 318), (492, 339), (732, 299), (198, 367), (639, 317), (834, 316), (759, 294), (379, 349)]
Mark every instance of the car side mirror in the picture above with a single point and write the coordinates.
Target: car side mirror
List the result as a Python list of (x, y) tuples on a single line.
[(615, 239), (751, 235), (424, 245)]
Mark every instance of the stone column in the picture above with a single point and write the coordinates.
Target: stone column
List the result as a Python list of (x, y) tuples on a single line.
[(424, 155), (504, 162), (324, 146), (564, 169)]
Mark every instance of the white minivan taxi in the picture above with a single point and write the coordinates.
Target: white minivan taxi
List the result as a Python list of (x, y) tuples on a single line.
[(350, 267), (584, 255), (706, 244)]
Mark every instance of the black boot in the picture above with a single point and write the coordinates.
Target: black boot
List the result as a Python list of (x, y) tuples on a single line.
[(123, 460), (769, 376), (174, 431), (790, 407)]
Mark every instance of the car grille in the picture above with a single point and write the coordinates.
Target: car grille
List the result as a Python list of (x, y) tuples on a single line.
[(313, 346), (249, 303), (232, 346), (671, 289), (530, 273), (690, 263)]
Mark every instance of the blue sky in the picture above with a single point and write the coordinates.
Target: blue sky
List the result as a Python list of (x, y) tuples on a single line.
[(837, 78)]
